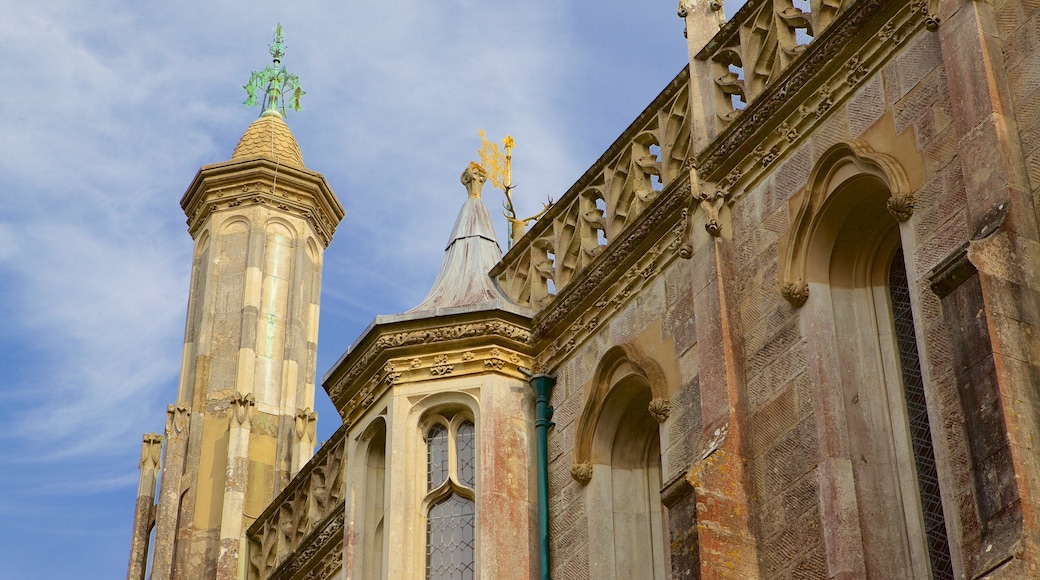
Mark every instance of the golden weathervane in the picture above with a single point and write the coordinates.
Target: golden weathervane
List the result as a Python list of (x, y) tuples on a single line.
[(499, 168)]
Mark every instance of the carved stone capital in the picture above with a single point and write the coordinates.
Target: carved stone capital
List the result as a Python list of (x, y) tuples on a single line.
[(796, 292), (582, 472), (901, 206), (660, 409)]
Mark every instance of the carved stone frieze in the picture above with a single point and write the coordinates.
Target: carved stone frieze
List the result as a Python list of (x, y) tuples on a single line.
[(409, 369), (493, 328), (300, 193)]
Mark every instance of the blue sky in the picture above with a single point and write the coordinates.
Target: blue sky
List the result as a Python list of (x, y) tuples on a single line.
[(111, 108)]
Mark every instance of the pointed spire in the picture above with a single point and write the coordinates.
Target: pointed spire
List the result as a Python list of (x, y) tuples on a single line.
[(472, 252)]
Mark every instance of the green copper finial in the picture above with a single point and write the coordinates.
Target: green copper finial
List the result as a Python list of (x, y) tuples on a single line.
[(274, 83)]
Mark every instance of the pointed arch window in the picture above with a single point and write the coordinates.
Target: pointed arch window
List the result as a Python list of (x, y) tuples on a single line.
[(450, 506)]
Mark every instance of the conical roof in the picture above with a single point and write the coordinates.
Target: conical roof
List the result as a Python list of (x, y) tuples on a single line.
[(269, 137), (471, 253)]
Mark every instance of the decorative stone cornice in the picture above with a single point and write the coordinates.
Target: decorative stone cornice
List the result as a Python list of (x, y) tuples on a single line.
[(422, 349), (259, 181)]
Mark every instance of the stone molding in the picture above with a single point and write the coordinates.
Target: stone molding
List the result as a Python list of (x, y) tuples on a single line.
[(404, 352), (260, 181), (953, 271), (860, 159), (602, 384)]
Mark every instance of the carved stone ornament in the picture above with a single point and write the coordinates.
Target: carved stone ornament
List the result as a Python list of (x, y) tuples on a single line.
[(796, 292), (901, 206), (660, 409), (178, 414), (305, 420), (582, 472), (931, 21), (239, 406), (711, 203)]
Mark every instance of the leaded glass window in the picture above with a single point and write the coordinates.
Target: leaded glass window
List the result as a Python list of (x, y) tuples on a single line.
[(451, 467), (917, 413)]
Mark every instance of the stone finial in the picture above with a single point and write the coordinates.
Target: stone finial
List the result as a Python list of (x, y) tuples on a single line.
[(582, 472), (473, 178), (660, 409)]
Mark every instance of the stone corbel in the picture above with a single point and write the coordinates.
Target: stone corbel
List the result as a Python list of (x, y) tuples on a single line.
[(711, 201), (931, 20), (582, 472), (901, 206), (796, 292), (659, 409)]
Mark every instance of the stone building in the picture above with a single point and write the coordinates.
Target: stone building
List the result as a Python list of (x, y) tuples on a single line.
[(787, 323)]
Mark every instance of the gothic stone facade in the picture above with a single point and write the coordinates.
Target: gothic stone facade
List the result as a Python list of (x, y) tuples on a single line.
[(792, 313)]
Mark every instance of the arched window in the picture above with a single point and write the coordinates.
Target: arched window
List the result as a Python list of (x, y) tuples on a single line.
[(450, 507), (874, 434)]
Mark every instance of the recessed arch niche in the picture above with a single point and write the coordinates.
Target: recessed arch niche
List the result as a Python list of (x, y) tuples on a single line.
[(618, 458)]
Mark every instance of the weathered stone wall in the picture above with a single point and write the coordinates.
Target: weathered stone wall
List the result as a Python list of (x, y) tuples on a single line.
[(660, 323)]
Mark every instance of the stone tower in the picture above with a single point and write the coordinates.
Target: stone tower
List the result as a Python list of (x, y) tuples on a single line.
[(242, 424)]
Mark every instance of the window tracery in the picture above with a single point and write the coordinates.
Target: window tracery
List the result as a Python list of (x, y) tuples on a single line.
[(450, 500)]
